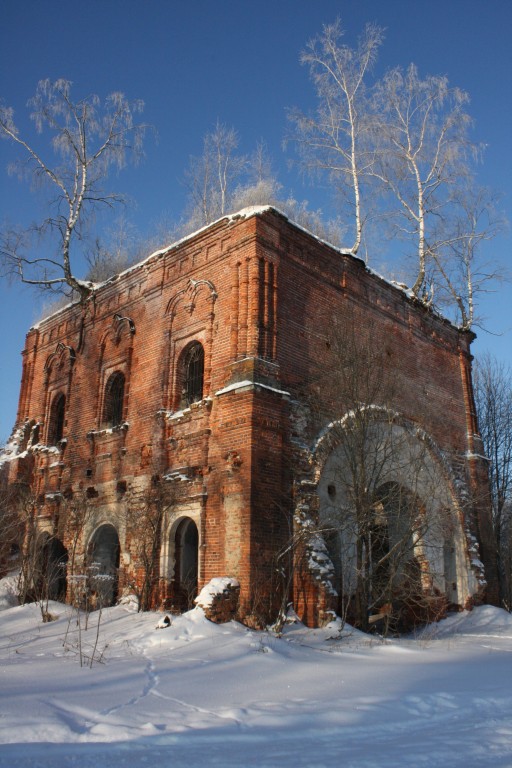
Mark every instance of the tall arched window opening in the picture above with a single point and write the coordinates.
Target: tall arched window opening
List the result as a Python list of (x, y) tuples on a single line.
[(193, 373), (57, 417), (114, 400)]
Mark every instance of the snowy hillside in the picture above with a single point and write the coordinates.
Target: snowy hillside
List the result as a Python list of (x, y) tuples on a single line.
[(196, 694)]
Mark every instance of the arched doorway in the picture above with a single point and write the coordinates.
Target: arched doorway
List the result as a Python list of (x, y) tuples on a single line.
[(52, 562), (186, 556), (103, 565)]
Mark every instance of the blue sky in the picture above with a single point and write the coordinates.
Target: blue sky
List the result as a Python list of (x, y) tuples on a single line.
[(200, 61)]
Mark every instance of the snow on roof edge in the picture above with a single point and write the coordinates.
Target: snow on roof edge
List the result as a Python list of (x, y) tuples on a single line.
[(245, 213)]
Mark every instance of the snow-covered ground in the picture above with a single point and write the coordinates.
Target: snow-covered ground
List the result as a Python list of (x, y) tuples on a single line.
[(196, 694)]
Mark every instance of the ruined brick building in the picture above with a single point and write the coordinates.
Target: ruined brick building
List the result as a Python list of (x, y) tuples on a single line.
[(196, 370)]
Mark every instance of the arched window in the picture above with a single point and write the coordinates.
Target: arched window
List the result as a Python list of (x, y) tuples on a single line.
[(114, 400), (193, 373), (57, 416)]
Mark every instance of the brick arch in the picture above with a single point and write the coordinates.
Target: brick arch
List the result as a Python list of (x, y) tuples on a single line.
[(114, 400), (190, 374), (63, 353), (50, 567), (187, 297), (116, 352), (316, 491), (332, 435), (122, 329), (191, 314), (58, 375), (59, 363)]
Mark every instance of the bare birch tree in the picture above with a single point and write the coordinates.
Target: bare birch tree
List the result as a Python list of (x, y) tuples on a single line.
[(421, 130), (409, 137), (212, 176), (261, 186), (88, 138), (334, 140), (460, 273)]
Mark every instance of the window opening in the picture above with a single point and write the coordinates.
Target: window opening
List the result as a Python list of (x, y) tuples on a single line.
[(114, 400), (57, 414), (193, 374)]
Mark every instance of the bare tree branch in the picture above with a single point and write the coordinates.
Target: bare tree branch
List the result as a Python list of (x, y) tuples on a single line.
[(421, 130)]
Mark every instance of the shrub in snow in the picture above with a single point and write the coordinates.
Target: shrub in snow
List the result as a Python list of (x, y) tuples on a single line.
[(129, 601), (219, 599)]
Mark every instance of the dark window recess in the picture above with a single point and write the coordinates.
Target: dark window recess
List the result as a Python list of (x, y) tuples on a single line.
[(57, 416), (103, 556), (193, 374), (114, 400)]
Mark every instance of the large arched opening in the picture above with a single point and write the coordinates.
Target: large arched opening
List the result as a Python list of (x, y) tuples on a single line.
[(392, 526)]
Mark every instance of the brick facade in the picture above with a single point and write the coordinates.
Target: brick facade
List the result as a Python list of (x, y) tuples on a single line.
[(260, 295)]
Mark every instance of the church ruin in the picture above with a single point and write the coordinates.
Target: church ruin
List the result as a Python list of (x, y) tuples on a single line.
[(200, 416)]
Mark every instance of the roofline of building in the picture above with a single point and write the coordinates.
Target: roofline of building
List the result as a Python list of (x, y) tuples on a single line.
[(247, 213)]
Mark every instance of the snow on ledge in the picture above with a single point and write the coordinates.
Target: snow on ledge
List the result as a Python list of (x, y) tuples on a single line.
[(179, 414), (248, 385), (470, 455)]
